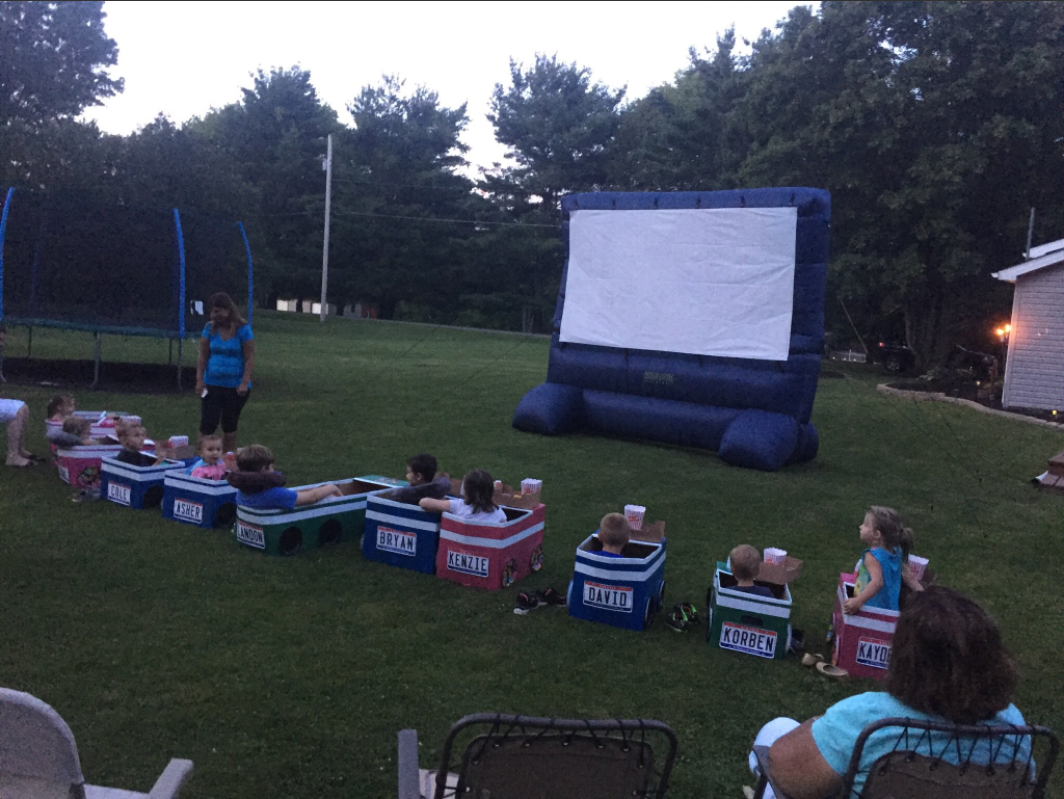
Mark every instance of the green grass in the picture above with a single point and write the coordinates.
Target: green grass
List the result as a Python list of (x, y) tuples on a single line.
[(291, 677)]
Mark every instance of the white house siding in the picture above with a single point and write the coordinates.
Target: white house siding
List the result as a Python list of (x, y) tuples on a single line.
[(1034, 376)]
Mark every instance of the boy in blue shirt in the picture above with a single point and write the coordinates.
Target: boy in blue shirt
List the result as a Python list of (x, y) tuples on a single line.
[(259, 486), (613, 534)]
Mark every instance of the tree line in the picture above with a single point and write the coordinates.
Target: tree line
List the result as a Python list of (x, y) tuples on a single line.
[(936, 127)]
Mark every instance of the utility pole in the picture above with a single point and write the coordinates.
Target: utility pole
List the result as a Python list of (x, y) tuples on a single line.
[(325, 246)]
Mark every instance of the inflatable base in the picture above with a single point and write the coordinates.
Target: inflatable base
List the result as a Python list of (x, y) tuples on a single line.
[(753, 439)]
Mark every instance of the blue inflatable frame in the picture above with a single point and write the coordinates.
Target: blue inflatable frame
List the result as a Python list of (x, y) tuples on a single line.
[(754, 413)]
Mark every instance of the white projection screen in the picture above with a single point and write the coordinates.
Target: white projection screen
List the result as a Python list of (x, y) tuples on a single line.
[(703, 282)]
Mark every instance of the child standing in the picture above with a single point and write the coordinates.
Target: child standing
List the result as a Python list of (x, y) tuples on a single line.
[(476, 505), (613, 534), (259, 486), (881, 570), (210, 466)]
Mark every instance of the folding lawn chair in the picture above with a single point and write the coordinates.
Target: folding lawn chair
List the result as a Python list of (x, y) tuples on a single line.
[(520, 757), (39, 760), (939, 760)]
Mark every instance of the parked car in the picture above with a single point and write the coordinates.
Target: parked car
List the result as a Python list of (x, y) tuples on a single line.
[(893, 357)]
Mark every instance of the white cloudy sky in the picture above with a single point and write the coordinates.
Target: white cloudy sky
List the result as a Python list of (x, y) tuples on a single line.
[(184, 58)]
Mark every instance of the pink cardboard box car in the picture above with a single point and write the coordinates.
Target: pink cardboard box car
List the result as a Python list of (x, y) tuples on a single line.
[(491, 556), (863, 639), (80, 466)]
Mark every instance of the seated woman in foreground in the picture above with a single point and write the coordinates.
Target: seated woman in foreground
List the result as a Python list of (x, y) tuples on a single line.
[(948, 664)]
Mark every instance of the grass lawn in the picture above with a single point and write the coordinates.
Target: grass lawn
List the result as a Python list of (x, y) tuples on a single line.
[(290, 677)]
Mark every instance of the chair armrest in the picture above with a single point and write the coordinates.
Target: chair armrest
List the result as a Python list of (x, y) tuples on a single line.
[(408, 770), (761, 754), (171, 780)]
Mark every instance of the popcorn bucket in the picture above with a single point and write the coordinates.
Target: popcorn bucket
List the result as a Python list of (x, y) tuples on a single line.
[(634, 514), (917, 566), (777, 556)]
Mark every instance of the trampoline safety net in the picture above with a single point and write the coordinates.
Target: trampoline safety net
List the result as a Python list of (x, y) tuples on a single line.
[(68, 262)]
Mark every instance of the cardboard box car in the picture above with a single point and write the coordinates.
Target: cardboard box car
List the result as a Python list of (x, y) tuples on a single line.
[(625, 592), (747, 623)]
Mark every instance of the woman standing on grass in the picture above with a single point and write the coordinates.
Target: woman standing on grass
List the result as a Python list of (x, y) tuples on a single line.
[(223, 369)]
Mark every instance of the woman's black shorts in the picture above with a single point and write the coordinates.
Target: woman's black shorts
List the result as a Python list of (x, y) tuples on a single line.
[(221, 404)]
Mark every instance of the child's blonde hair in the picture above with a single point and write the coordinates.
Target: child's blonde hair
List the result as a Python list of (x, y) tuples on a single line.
[(745, 562), (888, 524), (614, 530), (125, 431)]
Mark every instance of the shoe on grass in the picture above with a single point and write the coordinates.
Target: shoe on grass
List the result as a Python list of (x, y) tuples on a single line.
[(527, 602)]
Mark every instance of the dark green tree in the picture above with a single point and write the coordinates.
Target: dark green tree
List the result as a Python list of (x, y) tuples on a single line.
[(277, 137), (54, 60), (396, 190), (557, 125)]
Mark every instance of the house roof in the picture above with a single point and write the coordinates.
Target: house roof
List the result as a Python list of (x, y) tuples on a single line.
[(1042, 256)]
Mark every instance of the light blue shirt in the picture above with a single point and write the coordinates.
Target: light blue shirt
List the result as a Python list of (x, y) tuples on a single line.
[(890, 562), (835, 734), (225, 366)]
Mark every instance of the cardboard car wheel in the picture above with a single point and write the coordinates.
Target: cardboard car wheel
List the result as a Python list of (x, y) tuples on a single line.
[(291, 541), (648, 613), (536, 561), (153, 497), (226, 515), (330, 533), (661, 596)]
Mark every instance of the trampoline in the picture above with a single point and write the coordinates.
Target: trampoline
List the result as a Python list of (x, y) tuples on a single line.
[(69, 263)]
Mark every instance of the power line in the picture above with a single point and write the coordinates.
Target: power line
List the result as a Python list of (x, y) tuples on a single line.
[(441, 219), (446, 220)]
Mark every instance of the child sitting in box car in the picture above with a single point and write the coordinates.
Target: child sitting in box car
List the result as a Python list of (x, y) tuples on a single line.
[(882, 567), (259, 486), (745, 561), (132, 438), (210, 465), (60, 407), (75, 432), (476, 505), (424, 481), (613, 534)]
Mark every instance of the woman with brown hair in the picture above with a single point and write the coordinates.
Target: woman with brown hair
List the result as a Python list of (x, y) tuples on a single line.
[(223, 369), (948, 663)]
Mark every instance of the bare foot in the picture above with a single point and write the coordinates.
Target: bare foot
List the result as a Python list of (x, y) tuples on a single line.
[(18, 460)]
